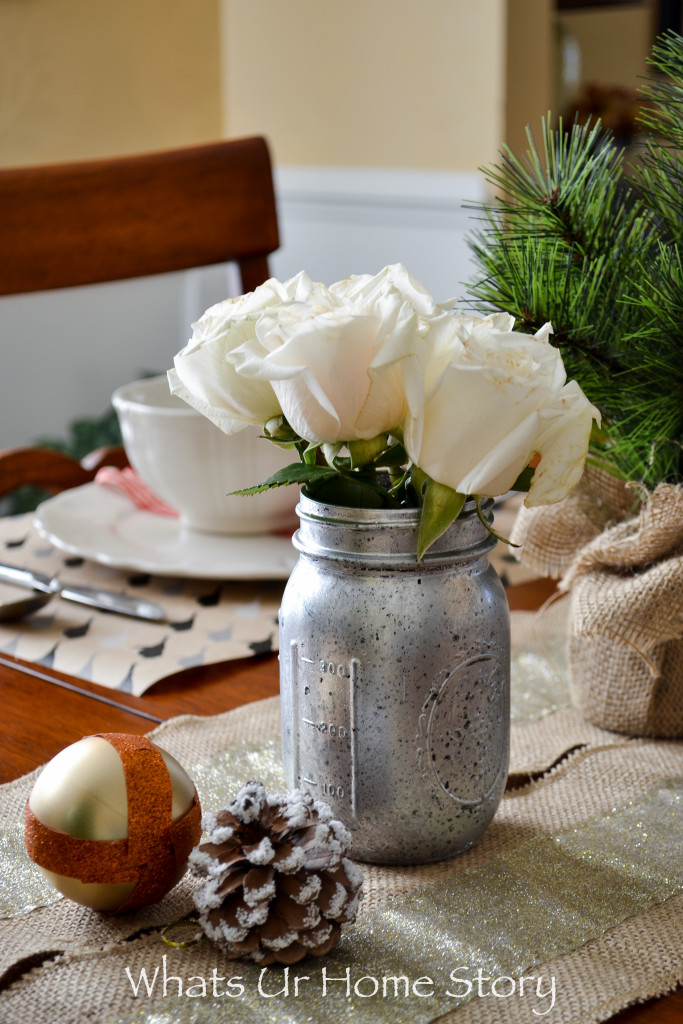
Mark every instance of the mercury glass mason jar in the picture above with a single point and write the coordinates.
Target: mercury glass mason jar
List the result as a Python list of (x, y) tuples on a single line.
[(394, 679)]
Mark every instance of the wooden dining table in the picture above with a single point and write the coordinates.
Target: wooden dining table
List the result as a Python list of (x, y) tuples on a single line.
[(44, 710)]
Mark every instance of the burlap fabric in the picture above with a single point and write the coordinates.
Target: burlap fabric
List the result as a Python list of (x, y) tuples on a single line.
[(550, 536), (64, 964), (622, 564)]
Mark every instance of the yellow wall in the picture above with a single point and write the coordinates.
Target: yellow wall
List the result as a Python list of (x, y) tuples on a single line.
[(82, 79), (529, 64), (435, 84), (388, 83)]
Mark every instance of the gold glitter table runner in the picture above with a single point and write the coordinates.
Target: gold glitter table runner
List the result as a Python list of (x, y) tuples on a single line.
[(573, 885)]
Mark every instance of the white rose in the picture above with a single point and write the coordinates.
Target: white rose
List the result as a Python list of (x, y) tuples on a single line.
[(204, 373), (493, 399), (345, 362), (375, 291)]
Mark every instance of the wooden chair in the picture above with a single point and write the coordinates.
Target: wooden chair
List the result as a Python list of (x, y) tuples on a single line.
[(106, 220), (132, 216), (52, 471)]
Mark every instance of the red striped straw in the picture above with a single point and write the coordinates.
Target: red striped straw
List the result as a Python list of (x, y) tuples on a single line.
[(127, 481)]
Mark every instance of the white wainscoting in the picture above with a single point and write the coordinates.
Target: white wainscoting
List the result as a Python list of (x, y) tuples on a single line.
[(341, 221), (62, 353)]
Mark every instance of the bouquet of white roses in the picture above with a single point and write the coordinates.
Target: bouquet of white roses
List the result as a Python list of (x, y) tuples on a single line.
[(389, 398)]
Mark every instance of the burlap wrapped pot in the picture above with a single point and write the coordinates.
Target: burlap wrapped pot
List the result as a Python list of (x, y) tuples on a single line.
[(619, 555)]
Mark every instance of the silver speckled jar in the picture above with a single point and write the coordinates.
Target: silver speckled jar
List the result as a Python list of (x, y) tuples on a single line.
[(394, 680)]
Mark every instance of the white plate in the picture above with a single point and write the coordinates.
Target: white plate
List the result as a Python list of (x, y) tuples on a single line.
[(105, 526)]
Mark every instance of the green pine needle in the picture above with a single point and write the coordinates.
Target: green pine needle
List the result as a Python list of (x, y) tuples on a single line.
[(574, 237)]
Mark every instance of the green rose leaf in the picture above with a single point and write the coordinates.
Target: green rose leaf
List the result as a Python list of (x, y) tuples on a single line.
[(279, 431), (394, 455), (351, 490), (330, 453), (285, 445), (364, 452), (419, 480), (523, 481), (308, 453), (297, 473), (441, 506)]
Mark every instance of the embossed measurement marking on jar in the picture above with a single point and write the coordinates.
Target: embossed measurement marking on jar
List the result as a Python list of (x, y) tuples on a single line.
[(325, 702)]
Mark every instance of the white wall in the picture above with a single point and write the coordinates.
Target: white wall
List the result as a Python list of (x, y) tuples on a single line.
[(64, 352)]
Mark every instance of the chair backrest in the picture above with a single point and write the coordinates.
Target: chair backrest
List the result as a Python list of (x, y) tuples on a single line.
[(105, 220), (52, 471)]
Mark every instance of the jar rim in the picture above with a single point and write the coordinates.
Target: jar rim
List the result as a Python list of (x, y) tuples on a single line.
[(310, 508), (387, 537)]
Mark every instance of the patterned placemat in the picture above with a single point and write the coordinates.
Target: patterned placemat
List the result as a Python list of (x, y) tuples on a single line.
[(209, 620)]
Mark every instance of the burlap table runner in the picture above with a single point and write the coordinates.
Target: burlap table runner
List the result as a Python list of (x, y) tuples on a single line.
[(574, 885), (622, 563)]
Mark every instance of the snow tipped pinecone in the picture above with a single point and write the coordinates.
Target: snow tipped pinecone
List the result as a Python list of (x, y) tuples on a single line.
[(278, 884)]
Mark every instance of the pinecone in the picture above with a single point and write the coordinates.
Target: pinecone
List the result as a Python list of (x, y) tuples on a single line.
[(278, 884)]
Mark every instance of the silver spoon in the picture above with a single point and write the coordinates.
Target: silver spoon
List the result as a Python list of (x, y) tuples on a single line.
[(39, 589)]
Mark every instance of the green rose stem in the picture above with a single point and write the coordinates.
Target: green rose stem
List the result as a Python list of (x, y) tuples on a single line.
[(478, 498)]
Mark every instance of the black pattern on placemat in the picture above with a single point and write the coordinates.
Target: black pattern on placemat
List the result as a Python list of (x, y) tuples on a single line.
[(10, 648), (191, 660), (262, 646), (139, 579), (210, 599), (126, 684), (48, 659), (44, 552), (85, 672), (220, 635), (155, 651), (38, 622), (73, 561), (72, 632), (171, 588), (16, 543), (184, 625)]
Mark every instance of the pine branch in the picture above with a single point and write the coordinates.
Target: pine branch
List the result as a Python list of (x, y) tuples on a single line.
[(661, 172), (570, 239), (655, 379)]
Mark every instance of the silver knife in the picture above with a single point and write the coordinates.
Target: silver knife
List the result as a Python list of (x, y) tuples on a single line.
[(44, 587)]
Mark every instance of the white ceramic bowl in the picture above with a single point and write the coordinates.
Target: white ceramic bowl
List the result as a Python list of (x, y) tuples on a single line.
[(192, 465)]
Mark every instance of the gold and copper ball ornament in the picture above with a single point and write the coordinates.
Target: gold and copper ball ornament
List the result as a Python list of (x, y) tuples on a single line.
[(111, 821), (278, 884)]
